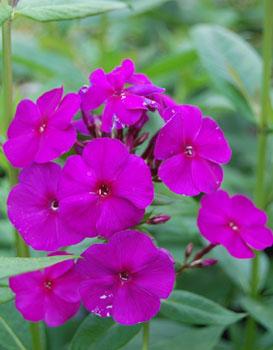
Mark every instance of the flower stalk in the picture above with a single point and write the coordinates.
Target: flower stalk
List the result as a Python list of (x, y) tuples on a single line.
[(21, 248), (146, 331), (260, 190)]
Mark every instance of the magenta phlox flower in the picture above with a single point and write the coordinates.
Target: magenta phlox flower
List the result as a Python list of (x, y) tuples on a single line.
[(106, 189), (124, 94), (51, 295), (126, 277), (35, 209), (235, 223), (42, 131), (191, 149)]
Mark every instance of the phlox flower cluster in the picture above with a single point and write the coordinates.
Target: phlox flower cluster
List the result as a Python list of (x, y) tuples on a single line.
[(82, 175)]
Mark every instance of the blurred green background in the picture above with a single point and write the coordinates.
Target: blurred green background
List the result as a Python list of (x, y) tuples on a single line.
[(204, 52)]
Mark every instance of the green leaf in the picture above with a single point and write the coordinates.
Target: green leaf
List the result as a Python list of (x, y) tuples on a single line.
[(166, 334), (14, 266), (5, 12), (6, 295), (229, 58), (14, 330), (102, 333), (242, 267), (56, 10), (194, 309), (260, 311)]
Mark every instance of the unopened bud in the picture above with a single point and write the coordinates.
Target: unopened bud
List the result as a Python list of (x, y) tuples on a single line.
[(209, 262), (159, 219), (188, 250)]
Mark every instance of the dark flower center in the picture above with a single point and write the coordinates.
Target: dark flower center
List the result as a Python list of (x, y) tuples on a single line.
[(104, 190), (124, 276), (233, 226), (54, 205), (48, 284), (189, 151)]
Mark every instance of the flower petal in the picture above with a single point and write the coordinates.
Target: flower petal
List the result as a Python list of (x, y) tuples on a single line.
[(67, 287), (207, 176), (169, 141), (106, 157), (234, 244), (133, 305), (58, 311), (49, 101), (117, 214), (97, 298), (26, 118), (245, 213), (63, 116), (21, 151), (29, 299), (176, 173), (211, 143), (257, 237), (138, 187), (55, 142), (157, 270)]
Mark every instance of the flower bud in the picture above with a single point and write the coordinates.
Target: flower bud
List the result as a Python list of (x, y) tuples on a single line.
[(209, 262), (159, 219), (188, 250)]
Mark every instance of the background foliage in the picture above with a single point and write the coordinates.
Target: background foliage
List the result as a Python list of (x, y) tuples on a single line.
[(205, 52)]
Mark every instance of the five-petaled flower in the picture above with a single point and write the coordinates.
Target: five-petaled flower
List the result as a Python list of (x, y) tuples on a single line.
[(235, 223), (106, 189), (35, 209), (191, 148), (126, 277), (42, 131), (124, 92), (51, 295)]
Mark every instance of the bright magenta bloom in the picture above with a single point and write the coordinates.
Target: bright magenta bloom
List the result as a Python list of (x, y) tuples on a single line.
[(126, 278), (124, 93), (192, 149), (42, 131), (106, 189), (35, 209), (51, 295), (235, 223)]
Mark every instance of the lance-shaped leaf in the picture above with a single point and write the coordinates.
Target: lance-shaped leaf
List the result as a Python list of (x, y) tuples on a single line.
[(57, 10), (102, 333), (194, 309), (15, 266)]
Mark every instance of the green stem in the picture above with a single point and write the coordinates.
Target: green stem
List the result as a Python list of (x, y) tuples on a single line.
[(21, 248), (260, 190), (145, 342), (7, 74), (36, 336)]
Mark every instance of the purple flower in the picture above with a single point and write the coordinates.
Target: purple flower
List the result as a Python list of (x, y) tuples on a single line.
[(35, 209), (42, 131), (126, 278), (124, 93), (191, 148), (235, 223), (106, 189), (51, 295)]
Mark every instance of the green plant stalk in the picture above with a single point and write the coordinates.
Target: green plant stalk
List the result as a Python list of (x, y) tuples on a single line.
[(145, 339), (260, 188), (21, 248)]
